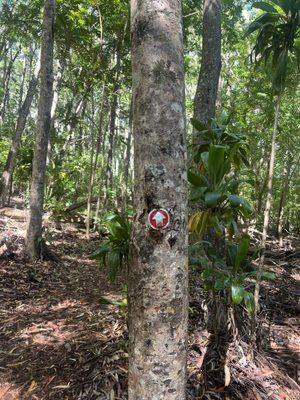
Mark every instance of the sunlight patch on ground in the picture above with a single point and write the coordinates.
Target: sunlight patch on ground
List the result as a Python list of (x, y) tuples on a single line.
[(49, 333)]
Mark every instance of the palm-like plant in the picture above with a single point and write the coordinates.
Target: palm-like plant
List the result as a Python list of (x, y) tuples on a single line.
[(278, 31), (277, 42)]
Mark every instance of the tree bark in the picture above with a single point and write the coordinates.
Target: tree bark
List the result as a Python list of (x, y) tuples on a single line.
[(34, 230), (20, 126), (158, 273), (207, 88)]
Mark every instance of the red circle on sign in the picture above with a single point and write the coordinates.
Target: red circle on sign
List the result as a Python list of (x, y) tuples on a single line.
[(159, 219)]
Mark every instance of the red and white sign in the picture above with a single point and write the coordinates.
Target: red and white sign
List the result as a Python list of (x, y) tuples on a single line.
[(159, 219)]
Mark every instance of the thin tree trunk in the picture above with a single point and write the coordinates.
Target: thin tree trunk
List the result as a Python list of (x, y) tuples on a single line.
[(207, 88), (6, 83), (94, 164), (127, 160), (6, 178), (158, 273), (283, 196), (112, 125), (266, 218), (34, 230)]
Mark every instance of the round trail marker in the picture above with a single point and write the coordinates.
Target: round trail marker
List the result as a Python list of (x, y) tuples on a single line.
[(159, 219)]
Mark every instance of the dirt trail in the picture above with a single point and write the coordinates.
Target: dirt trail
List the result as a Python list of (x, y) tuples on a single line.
[(58, 343)]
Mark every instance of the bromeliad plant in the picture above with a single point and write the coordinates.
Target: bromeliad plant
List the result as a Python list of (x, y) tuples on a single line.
[(114, 250)]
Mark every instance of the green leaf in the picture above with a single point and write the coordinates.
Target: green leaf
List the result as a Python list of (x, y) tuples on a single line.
[(196, 180), (249, 302), (213, 198), (268, 276), (106, 301), (260, 22), (237, 293), (235, 200), (238, 201), (215, 163), (264, 6), (279, 76), (113, 263), (242, 251), (99, 253), (197, 193)]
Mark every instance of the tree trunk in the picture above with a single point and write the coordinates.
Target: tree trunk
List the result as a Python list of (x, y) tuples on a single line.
[(158, 273), (6, 178), (283, 196), (207, 88), (94, 164), (127, 161), (266, 217), (112, 125), (6, 83), (34, 230)]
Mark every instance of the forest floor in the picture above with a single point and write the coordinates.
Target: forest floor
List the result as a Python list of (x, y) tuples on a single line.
[(58, 343)]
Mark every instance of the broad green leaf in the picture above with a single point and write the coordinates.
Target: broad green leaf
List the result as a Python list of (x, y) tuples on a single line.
[(242, 251), (215, 163), (196, 180), (213, 198), (237, 293), (235, 200)]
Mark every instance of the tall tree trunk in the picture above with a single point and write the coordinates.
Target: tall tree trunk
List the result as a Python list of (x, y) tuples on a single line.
[(6, 178), (94, 164), (158, 273), (127, 161), (112, 125), (266, 217), (6, 83), (34, 230), (207, 88)]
